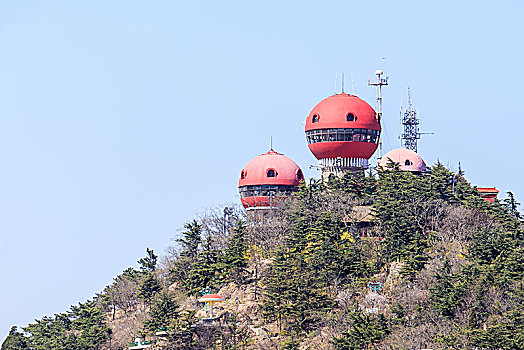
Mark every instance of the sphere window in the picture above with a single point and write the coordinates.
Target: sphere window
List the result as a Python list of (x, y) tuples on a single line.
[(267, 190), (243, 175), (351, 117), (315, 118), (408, 162), (271, 173), (299, 174), (346, 134)]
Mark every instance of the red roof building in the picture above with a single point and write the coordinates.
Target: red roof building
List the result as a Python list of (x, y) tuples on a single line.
[(488, 193), (342, 132), (267, 180)]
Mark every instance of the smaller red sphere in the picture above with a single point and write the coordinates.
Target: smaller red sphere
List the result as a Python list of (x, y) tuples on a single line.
[(407, 160), (268, 179)]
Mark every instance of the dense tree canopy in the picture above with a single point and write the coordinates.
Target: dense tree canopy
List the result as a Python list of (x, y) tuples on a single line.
[(450, 267), (79, 329)]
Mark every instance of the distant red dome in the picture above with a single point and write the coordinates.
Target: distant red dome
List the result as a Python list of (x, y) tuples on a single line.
[(407, 159), (342, 126), (268, 178)]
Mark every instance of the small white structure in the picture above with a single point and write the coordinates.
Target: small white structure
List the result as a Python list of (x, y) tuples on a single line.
[(140, 344)]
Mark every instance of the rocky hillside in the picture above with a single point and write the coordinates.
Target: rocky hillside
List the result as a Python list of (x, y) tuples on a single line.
[(388, 261)]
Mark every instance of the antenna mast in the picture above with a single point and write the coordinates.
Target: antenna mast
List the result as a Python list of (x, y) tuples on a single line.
[(381, 80), (410, 121)]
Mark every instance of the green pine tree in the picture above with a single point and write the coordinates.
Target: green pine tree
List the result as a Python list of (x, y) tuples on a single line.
[(204, 272), (233, 260), (163, 312), (148, 263), (149, 287), (15, 340), (190, 245), (365, 331)]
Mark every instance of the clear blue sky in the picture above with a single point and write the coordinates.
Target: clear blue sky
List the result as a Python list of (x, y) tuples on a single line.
[(122, 119)]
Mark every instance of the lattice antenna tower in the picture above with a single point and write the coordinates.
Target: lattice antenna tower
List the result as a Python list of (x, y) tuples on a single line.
[(411, 122), (379, 82)]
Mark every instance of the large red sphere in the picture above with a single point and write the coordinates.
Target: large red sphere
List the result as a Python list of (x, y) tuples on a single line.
[(342, 126), (268, 179)]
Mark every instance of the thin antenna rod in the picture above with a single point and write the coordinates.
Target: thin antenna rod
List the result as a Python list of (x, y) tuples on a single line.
[(379, 82), (342, 82), (271, 142), (400, 115), (352, 85)]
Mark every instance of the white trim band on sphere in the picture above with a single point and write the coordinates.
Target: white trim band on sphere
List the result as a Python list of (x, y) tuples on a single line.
[(343, 163)]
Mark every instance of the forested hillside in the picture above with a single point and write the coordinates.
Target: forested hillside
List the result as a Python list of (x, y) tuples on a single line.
[(447, 267)]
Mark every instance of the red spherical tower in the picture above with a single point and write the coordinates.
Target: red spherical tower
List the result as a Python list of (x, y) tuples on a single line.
[(342, 132), (267, 180), (407, 160)]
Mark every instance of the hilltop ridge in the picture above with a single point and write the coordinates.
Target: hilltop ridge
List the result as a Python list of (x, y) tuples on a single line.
[(433, 265)]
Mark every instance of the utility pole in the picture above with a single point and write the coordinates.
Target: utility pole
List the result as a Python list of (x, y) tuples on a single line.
[(379, 82)]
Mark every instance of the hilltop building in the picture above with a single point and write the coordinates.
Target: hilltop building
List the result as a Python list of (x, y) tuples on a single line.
[(342, 132), (407, 160), (488, 193), (267, 180)]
